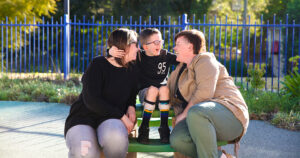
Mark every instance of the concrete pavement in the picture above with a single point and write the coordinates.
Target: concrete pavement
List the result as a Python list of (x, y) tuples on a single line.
[(29, 129)]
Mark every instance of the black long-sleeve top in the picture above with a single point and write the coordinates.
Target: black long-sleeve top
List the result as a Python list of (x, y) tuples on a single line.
[(107, 92)]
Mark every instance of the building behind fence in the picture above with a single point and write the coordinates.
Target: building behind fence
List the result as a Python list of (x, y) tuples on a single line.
[(68, 46)]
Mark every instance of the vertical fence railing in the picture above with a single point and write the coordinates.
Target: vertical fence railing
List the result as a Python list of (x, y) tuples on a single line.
[(67, 46)]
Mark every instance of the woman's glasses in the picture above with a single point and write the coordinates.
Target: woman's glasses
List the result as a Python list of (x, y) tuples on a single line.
[(156, 42)]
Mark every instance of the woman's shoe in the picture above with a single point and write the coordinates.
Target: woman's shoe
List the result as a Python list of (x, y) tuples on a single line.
[(226, 155)]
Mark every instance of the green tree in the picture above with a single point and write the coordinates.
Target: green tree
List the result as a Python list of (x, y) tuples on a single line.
[(135, 8), (26, 8), (222, 8), (21, 9), (281, 8), (88, 9), (191, 7)]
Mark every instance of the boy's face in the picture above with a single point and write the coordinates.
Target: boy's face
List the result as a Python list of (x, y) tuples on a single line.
[(153, 45)]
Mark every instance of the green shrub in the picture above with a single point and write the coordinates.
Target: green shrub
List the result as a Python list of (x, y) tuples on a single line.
[(38, 90), (256, 77), (292, 81), (268, 102), (3, 95), (24, 97), (292, 84), (287, 120)]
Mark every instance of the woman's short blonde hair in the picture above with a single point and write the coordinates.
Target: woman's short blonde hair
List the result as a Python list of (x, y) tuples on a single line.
[(195, 37)]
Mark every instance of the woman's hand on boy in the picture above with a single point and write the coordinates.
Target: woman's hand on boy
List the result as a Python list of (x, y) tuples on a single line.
[(115, 52)]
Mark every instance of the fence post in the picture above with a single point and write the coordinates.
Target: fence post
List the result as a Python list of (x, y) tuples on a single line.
[(66, 46), (184, 22)]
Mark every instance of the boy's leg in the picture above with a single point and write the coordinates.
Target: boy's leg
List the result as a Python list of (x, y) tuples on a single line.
[(149, 106), (164, 108)]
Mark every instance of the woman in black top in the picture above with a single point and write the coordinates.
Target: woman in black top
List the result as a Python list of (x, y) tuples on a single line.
[(104, 113)]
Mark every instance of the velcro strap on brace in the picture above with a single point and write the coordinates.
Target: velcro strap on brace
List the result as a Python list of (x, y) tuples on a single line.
[(148, 106), (163, 106)]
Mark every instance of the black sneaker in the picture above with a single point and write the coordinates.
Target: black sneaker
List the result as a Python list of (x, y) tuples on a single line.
[(164, 133), (143, 135)]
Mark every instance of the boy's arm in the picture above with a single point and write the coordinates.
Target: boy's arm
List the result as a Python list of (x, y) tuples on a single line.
[(115, 52), (172, 58)]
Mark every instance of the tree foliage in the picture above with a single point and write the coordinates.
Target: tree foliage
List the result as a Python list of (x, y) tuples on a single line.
[(88, 8), (282, 8), (136, 8), (223, 8), (26, 8)]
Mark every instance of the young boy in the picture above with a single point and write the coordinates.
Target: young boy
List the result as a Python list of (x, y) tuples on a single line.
[(154, 64)]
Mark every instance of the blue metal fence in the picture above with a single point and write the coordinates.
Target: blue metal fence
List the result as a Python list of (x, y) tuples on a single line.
[(69, 45)]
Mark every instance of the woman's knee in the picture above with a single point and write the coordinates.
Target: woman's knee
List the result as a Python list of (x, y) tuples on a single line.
[(82, 142), (115, 145), (84, 149), (113, 138), (195, 112)]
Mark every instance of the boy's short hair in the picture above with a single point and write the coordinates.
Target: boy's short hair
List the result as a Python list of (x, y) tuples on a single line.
[(146, 33)]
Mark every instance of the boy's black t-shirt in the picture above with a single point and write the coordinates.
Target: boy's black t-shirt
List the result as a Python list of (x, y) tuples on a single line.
[(154, 69)]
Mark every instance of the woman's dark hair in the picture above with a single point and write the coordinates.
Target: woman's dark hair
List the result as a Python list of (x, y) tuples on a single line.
[(195, 37), (122, 38)]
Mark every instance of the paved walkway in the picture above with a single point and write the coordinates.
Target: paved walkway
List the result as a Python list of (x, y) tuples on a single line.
[(35, 130)]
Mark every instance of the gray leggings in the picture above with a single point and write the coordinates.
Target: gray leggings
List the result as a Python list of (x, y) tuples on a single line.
[(82, 140)]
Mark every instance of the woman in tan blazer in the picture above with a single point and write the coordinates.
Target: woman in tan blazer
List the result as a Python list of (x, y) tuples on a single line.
[(207, 104)]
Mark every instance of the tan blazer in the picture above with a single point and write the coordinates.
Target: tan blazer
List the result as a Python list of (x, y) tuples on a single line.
[(205, 79)]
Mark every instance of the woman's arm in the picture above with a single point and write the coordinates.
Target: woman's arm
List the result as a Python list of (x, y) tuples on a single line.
[(132, 99), (92, 81), (206, 71)]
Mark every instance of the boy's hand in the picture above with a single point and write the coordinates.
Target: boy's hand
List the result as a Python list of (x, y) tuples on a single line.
[(131, 114), (115, 52)]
